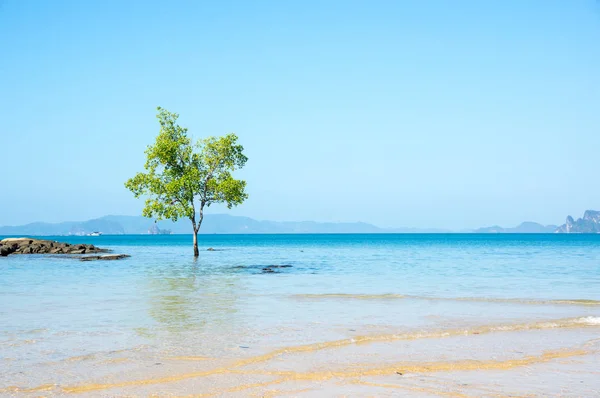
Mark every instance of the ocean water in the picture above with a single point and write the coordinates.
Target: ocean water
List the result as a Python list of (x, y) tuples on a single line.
[(66, 323)]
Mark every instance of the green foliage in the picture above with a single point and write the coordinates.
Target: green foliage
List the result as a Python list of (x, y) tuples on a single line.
[(182, 177)]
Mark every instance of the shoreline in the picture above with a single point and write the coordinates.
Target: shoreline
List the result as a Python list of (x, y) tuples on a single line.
[(291, 368)]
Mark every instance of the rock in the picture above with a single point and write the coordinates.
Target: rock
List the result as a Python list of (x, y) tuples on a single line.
[(5, 250), (105, 257), (271, 269), (210, 249), (39, 246), (16, 240)]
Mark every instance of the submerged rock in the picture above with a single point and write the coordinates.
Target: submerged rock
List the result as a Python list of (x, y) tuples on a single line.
[(265, 269), (104, 257), (272, 269), (40, 246)]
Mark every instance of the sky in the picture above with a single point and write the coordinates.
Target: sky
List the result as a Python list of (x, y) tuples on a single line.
[(426, 113)]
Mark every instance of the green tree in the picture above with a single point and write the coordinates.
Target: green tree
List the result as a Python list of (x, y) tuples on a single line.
[(182, 177)]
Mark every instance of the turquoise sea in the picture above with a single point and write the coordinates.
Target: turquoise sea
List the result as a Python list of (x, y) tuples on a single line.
[(65, 323)]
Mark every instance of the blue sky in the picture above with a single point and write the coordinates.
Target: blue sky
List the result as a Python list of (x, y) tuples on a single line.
[(450, 114)]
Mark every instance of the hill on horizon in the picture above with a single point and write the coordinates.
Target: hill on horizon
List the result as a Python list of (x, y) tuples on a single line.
[(213, 224), (228, 224), (527, 227)]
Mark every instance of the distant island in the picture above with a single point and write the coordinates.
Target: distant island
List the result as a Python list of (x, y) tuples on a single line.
[(227, 224), (589, 224), (527, 227), (154, 230), (213, 224)]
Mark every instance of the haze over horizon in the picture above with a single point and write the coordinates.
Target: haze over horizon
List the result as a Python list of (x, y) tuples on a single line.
[(425, 114), (165, 223)]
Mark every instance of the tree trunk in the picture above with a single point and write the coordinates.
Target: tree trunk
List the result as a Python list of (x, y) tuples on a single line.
[(196, 252), (196, 228)]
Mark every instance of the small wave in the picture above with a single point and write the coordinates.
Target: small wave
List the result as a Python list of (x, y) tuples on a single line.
[(577, 302), (589, 320), (391, 296), (349, 296), (582, 302)]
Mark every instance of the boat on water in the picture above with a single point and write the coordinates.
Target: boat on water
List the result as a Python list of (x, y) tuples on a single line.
[(95, 233)]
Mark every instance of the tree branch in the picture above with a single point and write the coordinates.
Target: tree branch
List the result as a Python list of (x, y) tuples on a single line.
[(208, 178)]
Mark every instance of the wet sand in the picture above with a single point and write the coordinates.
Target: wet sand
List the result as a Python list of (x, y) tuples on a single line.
[(559, 357)]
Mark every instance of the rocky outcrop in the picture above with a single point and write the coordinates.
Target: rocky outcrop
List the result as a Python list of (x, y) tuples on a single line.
[(38, 246), (589, 224), (154, 230), (592, 215)]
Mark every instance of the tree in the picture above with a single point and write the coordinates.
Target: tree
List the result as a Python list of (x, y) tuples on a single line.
[(182, 177)]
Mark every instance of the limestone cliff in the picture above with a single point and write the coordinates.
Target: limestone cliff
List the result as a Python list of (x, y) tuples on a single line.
[(589, 224)]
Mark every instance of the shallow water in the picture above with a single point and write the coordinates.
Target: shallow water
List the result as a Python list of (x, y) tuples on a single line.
[(66, 323)]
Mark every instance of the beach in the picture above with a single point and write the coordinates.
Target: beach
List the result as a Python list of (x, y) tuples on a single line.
[(457, 315)]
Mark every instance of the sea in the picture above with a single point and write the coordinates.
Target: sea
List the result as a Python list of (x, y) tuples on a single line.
[(306, 315)]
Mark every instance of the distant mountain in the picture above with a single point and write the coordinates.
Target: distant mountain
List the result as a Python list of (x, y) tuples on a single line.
[(65, 228), (227, 224), (527, 227), (589, 224), (495, 229), (154, 230), (212, 224)]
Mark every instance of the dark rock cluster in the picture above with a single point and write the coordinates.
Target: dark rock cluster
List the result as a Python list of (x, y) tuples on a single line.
[(104, 257), (38, 246), (273, 269)]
